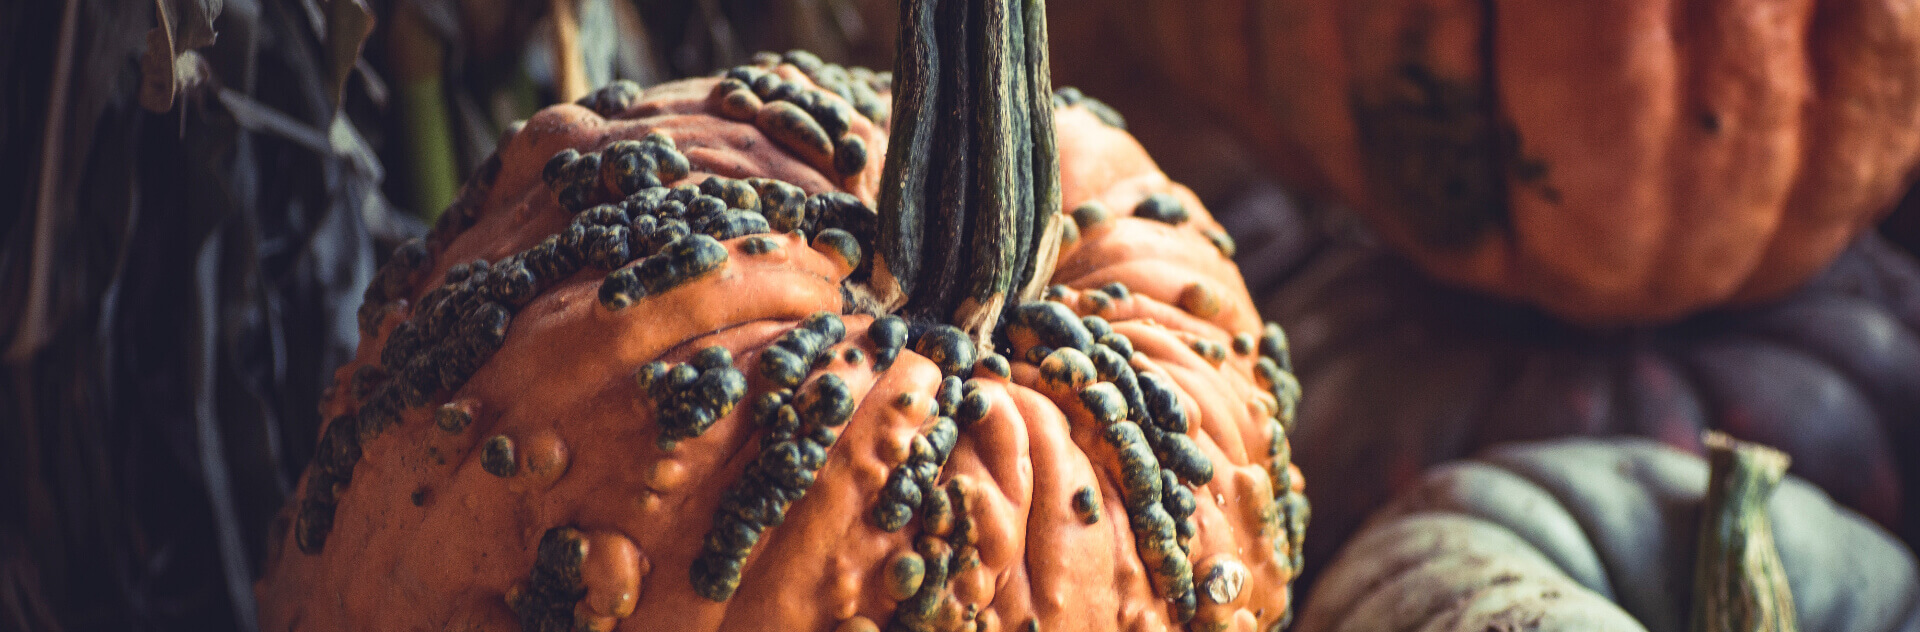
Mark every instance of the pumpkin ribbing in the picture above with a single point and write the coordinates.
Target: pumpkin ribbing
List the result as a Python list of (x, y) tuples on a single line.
[(1602, 534), (701, 423), (1557, 155), (1461, 373)]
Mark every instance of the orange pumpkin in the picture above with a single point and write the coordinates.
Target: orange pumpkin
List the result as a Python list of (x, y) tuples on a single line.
[(1614, 162), (675, 400)]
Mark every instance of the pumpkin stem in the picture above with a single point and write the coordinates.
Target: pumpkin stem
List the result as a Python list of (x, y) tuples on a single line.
[(970, 197), (1739, 584)]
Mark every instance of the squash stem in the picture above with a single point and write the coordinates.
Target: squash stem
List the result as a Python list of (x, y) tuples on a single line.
[(970, 193), (1739, 584)]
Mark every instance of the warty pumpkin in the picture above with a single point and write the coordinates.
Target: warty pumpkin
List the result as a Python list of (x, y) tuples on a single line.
[(1403, 373), (1612, 162), (664, 367), (1597, 534)]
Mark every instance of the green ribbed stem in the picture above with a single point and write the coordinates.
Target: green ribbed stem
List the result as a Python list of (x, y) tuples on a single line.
[(970, 198), (1739, 584)]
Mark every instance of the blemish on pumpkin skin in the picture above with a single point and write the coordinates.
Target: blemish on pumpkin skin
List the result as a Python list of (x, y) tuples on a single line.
[(1163, 208), (952, 391), (902, 575), (1213, 352), (455, 416), (1091, 216), (667, 475), (1200, 299), (1064, 373), (1432, 144), (497, 457), (973, 407), (365, 379), (1095, 302), (1221, 578), (894, 447), (1710, 122), (612, 573), (948, 347), (1086, 504), (1221, 241), (549, 595), (1069, 234), (993, 365), (544, 457), (1243, 343)]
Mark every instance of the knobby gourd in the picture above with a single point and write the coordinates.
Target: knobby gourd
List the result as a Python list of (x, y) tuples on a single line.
[(665, 366), (1604, 534)]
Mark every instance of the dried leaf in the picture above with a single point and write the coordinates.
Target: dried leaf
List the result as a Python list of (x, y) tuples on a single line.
[(153, 487), (190, 71), (169, 64), (349, 24), (193, 23), (156, 65)]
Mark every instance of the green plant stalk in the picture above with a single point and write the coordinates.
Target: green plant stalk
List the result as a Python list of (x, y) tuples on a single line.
[(1739, 584), (429, 145), (419, 61)]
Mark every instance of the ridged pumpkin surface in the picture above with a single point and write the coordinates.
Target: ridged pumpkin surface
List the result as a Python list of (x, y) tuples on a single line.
[(1621, 161), (1403, 374), (1593, 534), (633, 459)]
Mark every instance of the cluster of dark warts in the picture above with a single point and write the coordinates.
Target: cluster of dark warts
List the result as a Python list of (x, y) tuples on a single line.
[(800, 427), (1159, 207), (545, 601), (1070, 96), (675, 231), (806, 121), (622, 213)]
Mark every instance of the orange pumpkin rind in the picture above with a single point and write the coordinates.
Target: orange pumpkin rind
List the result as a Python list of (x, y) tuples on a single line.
[(556, 397)]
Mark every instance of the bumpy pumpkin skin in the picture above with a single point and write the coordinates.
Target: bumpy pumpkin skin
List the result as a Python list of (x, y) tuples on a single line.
[(1613, 162), (1592, 534), (428, 534)]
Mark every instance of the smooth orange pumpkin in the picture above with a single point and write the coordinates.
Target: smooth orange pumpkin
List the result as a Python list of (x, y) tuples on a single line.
[(624, 422), (1620, 161)]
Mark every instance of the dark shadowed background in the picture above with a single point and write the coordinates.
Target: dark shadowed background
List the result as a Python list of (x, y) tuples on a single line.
[(191, 210)]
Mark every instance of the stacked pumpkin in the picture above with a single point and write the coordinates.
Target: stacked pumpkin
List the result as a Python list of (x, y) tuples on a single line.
[(1614, 534), (665, 366), (1620, 162), (1657, 212), (1403, 374)]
